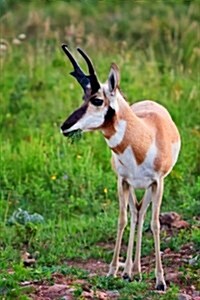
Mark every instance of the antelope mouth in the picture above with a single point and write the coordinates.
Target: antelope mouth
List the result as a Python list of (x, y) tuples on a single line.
[(74, 134)]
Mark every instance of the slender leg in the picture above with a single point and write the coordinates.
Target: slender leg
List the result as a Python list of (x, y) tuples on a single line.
[(157, 192), (123, 192), (145, 203), (133, 210)]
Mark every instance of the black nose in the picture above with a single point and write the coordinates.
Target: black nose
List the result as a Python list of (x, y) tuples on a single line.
[(62, 129), (66, 125)]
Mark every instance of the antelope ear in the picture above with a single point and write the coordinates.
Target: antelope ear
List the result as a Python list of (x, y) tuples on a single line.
[(113, 78)]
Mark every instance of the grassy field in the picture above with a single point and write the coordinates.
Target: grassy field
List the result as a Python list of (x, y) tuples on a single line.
[(72, 186)]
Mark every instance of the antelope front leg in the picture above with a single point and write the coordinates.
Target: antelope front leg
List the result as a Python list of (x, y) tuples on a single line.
[(157, 192), (123, 192), (145, 203), (133, 210)]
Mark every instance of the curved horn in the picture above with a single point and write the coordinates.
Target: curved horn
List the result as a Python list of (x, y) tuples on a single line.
[(77, 73), (93, 78), (71, 58), (87, 59)]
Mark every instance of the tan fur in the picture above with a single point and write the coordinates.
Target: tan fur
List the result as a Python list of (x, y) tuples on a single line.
[(135, 136), (163, 131), (150, 123)]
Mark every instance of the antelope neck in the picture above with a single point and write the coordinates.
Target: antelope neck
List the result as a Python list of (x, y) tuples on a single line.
[(127, 130)]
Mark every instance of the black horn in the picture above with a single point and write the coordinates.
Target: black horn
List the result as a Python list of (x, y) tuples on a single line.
[(93, 78), (77, 73)]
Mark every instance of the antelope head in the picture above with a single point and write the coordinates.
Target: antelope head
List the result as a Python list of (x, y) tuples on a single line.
[(99, 100)]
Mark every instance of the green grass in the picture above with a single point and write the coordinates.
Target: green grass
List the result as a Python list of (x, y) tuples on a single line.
[(156, 46)]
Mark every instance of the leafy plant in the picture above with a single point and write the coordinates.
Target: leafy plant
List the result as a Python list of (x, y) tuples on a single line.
[(23, 217)]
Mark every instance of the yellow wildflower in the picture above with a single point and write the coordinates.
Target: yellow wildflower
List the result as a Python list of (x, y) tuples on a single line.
[(105, 190)]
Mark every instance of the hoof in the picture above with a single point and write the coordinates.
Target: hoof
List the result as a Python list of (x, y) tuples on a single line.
[(126, 277), (161, 286)]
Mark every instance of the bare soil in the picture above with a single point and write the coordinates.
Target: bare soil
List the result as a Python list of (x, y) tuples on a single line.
[(63, 287)]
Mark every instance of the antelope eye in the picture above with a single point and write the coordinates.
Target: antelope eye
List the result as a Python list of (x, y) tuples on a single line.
[(96, 101)]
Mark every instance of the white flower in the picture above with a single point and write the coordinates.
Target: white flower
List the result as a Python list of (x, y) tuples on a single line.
[(16, 41), (22, 36)]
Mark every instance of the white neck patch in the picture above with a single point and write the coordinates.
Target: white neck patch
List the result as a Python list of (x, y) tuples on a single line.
[(118, 137)]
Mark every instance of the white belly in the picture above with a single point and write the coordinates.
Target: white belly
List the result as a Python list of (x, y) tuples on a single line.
[(139, 176)]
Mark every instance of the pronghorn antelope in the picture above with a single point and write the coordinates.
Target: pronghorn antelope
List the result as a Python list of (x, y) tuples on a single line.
[(145, 144)]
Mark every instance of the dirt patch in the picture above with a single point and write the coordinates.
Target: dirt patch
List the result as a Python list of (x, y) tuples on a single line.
[(64, 286), (95, 267)]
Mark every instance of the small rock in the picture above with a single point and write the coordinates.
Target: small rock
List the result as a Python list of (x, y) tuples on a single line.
[(180, 224), (172, 220), (56, 288), (196, 294), (66, 297), (112, 294), (172, 255), (79, 281), (173, 276), (187, 246), (86, 287), (168, 218), (164, 227), (101, 295), (25, 283), (87, 295), (168, 250), (193, 260), (184, 297)]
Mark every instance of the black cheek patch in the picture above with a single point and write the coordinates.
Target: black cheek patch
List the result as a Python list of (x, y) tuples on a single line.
[(74, 117), (109, 116)]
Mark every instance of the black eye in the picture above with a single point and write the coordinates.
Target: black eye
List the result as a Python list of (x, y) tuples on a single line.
[(96, 101)]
